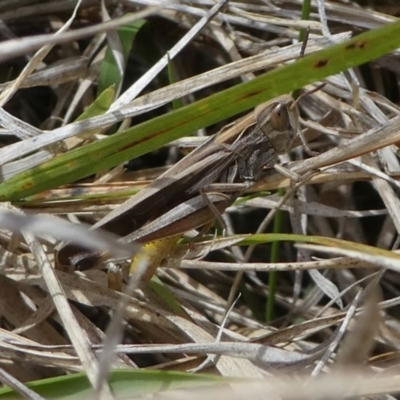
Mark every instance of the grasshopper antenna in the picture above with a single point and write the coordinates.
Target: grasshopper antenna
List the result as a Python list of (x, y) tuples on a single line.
[(305, 41), (298, 98)]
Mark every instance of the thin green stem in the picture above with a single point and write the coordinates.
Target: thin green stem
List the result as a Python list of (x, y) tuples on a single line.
[(278, 219), (272, 276), (305, 15)]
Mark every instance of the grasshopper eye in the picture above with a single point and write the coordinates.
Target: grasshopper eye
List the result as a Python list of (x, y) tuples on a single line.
[(279, 118)]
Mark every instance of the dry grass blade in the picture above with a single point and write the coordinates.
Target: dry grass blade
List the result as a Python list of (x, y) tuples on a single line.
[(135, 89), (10, 381), (65, 231), (17, 47), (34, 62), (75, 332)]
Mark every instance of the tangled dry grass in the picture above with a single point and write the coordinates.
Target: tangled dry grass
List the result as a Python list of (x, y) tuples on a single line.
[(318, 314)]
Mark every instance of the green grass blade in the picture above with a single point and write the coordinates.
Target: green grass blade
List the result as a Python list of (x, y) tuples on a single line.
[(177, 103), (318, 240), (155, 133), (100, 105), (109, 74), (124, 382)]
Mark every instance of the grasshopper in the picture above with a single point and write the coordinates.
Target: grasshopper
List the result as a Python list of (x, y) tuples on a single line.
[(201, 185)]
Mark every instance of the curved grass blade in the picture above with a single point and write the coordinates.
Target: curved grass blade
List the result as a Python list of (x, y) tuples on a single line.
[(159, 131), (386, 256), (109, 73), (100, 105)]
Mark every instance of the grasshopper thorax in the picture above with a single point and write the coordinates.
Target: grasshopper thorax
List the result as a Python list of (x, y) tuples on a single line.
[(279, 121)]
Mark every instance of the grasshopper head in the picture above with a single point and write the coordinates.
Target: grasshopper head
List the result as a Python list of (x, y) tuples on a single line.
[(279, 121)]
